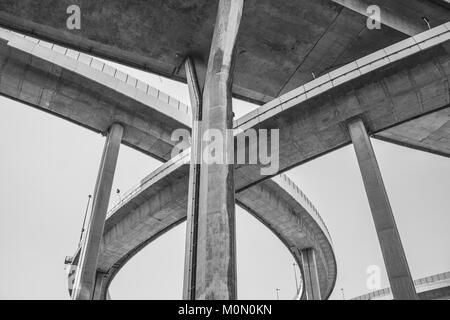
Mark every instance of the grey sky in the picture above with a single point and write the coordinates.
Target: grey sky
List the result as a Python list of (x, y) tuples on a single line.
[(48, 167)]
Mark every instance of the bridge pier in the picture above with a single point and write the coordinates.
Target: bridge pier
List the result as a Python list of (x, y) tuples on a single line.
[(310, 275), (85, 279), (391, 246), (100, 287), (210, 272), (194, 182)]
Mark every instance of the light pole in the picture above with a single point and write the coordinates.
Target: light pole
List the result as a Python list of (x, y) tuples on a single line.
[(295, 275), (278, 296), (118, 195), (84, 220)]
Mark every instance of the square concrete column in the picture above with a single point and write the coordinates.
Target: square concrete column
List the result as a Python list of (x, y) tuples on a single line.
[(402, 285), (194, 181), (87, 268), (310, 275), (100, 287), (213, 265)]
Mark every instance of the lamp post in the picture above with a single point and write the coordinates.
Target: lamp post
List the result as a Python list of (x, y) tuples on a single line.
[(85, 215), (295, 275), (118, 195)]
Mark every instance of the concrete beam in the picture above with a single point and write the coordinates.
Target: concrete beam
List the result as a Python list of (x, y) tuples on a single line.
[(391, 246), (216, 248), (310, 274), (395, 20), (86, 273)]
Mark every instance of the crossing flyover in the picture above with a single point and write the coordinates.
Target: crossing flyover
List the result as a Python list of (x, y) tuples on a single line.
[(394, 86)]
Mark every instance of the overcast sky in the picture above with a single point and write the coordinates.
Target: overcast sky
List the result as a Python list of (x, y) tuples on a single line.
[(48, 166)]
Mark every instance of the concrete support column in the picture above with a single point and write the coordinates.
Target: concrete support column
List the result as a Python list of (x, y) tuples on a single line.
[(100, 287), (215, 261), (310, 275), (395, 20), (402, 285), (87, 268), (194, 182)]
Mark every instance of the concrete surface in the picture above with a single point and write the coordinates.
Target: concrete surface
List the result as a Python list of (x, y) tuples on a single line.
[(215, 260), (387, 88), (281, 43)]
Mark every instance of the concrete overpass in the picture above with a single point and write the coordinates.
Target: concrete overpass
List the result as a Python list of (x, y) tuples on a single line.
[(297, 223), (435, 287), (281, 44), (160, 203), (244, 121), (390, 87)]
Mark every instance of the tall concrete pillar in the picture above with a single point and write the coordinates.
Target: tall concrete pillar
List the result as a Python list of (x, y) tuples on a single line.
[(214, 263), (395, 20), (310, 275), (87, 268), (400, 279), (194, 182)]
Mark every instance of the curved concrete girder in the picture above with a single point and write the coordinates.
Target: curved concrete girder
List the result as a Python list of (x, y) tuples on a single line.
[(429, 133), (388, 87), (90, 93), (160, 203)]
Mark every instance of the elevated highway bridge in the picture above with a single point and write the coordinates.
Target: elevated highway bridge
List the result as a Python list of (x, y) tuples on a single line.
[(337, 84)]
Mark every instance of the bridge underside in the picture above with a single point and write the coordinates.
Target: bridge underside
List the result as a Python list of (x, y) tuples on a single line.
[(429, 133), (281, 43)]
